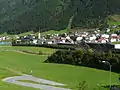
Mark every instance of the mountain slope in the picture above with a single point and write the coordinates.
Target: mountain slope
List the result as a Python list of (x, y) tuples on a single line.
[(17, 16), (25, 16)]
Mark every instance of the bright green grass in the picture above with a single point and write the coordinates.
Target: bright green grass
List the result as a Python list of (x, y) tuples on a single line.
[(47, 51), (114, 20), (111, 23), (116, 42), (66, 74), (114, 23), (12, 61)]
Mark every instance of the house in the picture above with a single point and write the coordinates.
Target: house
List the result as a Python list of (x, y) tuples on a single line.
[(117, 46), (34, 41)]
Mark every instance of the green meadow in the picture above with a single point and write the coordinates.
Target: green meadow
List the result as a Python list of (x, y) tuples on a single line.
[(13, 62), (47, 51)]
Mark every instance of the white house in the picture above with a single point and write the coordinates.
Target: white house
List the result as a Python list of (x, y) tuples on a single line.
[(117, 46), (35, 41), (105, 36), (79, 38)]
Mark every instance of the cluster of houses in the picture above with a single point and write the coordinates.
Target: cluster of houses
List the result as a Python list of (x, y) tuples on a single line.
[(67, 38), (4, 38), (70, 38)]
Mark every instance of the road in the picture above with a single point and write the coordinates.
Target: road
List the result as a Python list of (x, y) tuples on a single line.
[(44, 84)]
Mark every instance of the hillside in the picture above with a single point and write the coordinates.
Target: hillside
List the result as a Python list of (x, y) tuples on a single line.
[(17, 16), (114, 20)]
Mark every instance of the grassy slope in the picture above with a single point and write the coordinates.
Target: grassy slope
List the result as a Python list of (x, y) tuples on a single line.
[(46, 32), (67, 74), (116, 42), (5, 34), (54, 32), (12, 62), (114, 20), (26, 33), (31, 49)]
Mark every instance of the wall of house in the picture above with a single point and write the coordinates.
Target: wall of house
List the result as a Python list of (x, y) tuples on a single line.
[(117, 46)]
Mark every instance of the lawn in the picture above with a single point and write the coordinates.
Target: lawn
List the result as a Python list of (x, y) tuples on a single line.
[(66, 74), (46, 51), (116, 43), (45, 33), (113, 23)]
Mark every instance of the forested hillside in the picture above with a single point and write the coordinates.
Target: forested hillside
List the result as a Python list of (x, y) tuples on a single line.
[(17, 16)]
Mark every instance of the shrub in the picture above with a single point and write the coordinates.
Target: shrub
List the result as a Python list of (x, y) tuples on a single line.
[(40, 53), (82, 86), (86, 58)]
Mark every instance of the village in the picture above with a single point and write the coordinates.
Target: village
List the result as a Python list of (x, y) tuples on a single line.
[(67, 38)]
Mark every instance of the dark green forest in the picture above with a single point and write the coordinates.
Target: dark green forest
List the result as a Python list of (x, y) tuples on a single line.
[(18, 16), (87, 58)]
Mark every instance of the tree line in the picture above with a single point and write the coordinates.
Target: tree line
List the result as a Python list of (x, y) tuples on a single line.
[(87, 58), (56, 14)]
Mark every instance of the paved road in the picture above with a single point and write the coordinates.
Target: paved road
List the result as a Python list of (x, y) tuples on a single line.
[(16, 80)]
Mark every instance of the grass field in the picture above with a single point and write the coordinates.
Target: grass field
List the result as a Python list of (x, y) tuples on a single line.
[(114, 20), (46, 51), (113, 23), (116, 42), (66, 74), (54, 32)]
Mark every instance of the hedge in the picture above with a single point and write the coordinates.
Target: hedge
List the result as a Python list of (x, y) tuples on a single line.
[(48, 46), (86, 58), (95, 46)]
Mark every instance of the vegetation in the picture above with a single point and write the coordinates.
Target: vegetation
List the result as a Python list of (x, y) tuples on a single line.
[(66, 74), (26, 33), (114, 20), (54, 32), (33, 15), (55, 46), (82, 86), (86, 58), (116, 42), (39, 50)]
